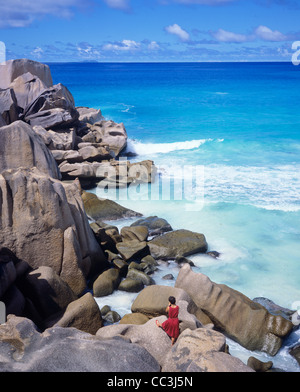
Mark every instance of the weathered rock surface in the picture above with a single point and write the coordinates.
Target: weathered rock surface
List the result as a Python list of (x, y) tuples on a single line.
[(141, 276), (295, 352), (154, 224), (57, 349), (12, 69), (258, 365), (82, 313), (110, 133), (177, 243), (44, 223), (107, 235), (201, 350), (243, 320), (131, 285), (104, 209), (21, 147), (147, 335), (27, 88), (9, 110), (133, 249), (106, 282), (139, 233), (153, 300), (47, 291), (54, 107), (89, 115), (134, 318)]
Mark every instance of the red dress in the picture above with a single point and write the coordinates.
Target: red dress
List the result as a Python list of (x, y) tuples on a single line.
[(171, 326)]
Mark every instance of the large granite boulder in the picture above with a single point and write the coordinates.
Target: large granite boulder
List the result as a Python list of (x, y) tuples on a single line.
[(147, 335), (12, 69), (202, 350), (177, 243), (20, 146), (110, 133), (106, 282), (153, 300), (82, 313), (154, 224), (47, 291), (132, 249), (89, 115), (44, 223), (54, 107), (57, 349), (9, 110), (139, 233), (243, 320), (27, 88), (105, 209)]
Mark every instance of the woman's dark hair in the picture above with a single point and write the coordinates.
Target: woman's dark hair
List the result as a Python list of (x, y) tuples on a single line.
[(172, 300)]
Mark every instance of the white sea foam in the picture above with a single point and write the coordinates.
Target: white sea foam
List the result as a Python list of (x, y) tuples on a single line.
[(275, 188), (139, 148), (126, 108)]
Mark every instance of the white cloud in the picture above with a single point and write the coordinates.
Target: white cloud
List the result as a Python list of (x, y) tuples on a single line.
[(153, 45), (37, 52), (267, 34), (227, 36), (125, 45), (177, 30), (261, 32), (21, 13)]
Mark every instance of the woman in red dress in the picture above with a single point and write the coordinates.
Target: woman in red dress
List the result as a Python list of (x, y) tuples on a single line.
[(171, 325)]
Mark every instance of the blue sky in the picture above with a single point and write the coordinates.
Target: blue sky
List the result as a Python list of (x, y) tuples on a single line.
[(150, 30)]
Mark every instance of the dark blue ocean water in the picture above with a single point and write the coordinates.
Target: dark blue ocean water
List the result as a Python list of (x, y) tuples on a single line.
[(241, 123)]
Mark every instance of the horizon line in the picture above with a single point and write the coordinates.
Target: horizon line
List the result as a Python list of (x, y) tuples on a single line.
[(164, 62)]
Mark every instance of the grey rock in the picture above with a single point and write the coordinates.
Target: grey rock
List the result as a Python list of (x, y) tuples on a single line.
[(106, 283), (132, 250), (57, 349), (245, 321), (155, 225), (131, 285), (54, 107), (12, 69), (104, 209), (89, 115), (49, 293), (27, 88), (82, 313), (21, 147), (9, 110), (204, 348), (177, 243), (44, 223)]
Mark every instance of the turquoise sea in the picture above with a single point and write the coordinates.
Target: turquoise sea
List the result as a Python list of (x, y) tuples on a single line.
[(239, 122)]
